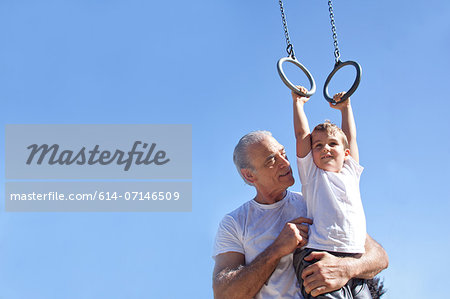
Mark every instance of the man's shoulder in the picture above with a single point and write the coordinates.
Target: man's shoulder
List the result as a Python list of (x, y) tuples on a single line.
[(297, 200), (245, 208), (296, 195)]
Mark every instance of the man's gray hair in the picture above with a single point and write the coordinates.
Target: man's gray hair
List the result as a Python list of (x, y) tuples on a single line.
[(240, 156)]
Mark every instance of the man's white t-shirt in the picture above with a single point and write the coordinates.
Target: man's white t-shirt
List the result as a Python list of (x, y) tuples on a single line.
[(251, 228), (334, 204)]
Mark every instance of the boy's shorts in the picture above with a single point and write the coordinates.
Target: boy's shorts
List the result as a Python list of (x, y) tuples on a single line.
[(355, 288)]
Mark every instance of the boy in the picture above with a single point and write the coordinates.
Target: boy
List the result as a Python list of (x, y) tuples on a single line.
[(329, 172)]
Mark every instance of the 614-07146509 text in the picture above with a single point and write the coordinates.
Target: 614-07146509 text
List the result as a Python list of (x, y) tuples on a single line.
[(140, 195)]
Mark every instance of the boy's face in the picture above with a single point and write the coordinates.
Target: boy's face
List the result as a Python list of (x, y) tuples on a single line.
[(328, 151)]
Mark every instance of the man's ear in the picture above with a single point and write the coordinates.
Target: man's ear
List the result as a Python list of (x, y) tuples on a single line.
[(248, 175)]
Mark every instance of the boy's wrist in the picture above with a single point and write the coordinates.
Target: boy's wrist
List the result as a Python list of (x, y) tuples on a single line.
[(346, 108), (299, 102)]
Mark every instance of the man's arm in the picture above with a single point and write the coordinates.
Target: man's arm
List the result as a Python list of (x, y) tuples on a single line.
[(348, 123), (331, 273), (301, 127), (233, 279)]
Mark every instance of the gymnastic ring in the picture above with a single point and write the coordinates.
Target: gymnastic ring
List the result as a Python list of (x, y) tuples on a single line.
[(352, 89), (289, 83)]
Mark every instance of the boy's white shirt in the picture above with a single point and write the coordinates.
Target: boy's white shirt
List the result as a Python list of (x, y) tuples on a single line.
[(334, 203)]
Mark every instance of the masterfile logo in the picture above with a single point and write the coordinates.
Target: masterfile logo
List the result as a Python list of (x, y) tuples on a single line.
[(53, 155), (98, 151)]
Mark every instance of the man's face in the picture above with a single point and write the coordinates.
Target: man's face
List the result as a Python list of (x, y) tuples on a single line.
[(272, 169), (328, 151)]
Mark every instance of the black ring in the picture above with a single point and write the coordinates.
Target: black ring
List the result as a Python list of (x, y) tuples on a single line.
[(289, 83), (352, 89)]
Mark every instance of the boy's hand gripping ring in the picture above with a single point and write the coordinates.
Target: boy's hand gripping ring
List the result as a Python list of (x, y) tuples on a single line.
[(289, 83), (352, 89)]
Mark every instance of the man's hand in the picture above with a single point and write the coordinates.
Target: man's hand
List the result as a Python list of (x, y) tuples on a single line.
[(338, 98), (233, 278), (294, 235), (328, 274), (299, 98)]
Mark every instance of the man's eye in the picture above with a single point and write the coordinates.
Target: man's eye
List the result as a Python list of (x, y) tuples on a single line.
[(270, 162), (333, 144)]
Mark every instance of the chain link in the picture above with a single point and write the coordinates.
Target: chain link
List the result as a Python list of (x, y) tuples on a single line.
[(289, 46), (337, 55)]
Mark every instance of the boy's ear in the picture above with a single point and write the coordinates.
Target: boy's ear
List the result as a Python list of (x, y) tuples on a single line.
[(248, 175), (347, 152)]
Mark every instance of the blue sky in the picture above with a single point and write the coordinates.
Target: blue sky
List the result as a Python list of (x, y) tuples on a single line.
[(212, 64)]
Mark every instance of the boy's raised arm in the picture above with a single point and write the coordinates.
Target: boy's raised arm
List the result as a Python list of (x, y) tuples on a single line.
[(348, 123), (301, 127)]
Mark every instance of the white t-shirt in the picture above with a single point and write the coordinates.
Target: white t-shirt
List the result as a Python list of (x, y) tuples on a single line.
[(334, 204), (251, 228)]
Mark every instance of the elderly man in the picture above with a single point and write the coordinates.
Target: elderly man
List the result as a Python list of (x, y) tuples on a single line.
[(254, 243)]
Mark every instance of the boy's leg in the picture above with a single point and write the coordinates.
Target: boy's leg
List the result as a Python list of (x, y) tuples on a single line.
[(299, 265), (355, 288)]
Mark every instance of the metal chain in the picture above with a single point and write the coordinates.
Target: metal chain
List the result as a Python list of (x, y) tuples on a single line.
[(337, 55), (290, 47)]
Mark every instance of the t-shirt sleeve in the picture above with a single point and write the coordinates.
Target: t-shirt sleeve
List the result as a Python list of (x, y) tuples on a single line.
[(354, 167), (228, 237), (306, 168)]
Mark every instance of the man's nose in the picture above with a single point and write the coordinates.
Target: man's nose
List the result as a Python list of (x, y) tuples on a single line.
[(284, 162), (326, 147)]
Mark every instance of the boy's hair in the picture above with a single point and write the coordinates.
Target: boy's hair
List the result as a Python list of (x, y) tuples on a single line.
[(333, 130)]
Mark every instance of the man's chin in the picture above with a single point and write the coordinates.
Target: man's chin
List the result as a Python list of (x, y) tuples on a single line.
[(293, 181), (288, 181)]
